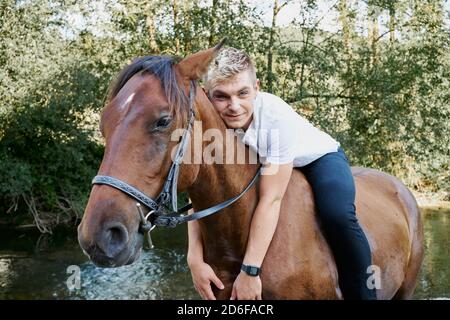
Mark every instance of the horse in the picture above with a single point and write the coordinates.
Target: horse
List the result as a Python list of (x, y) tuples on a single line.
[(156, 95)]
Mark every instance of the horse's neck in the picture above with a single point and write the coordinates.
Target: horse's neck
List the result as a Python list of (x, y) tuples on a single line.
[(224, 233)]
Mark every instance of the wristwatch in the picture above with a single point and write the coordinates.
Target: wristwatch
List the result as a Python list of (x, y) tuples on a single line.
[(251, 270)]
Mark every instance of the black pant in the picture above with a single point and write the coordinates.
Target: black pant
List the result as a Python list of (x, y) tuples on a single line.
[(334, 191)]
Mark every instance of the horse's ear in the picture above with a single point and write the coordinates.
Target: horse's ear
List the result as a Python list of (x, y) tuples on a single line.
[(195, 65)]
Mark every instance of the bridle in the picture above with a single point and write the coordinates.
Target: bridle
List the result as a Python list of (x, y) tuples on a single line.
[(158, 208)]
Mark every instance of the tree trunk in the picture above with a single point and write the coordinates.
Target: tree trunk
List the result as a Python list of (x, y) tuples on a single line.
[(150, 22), (346, 30), (270, 75), (187, 26), (392, 23), (212, 24), (374, 34), (302, 69), (175, 26)]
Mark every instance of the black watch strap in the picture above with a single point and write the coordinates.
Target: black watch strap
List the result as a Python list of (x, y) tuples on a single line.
[(251, 270)]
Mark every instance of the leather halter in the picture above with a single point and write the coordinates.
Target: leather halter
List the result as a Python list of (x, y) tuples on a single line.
[(158, 207)]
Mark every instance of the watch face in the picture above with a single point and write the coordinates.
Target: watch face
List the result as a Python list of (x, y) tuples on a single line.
[(251, 270), (254, 271)]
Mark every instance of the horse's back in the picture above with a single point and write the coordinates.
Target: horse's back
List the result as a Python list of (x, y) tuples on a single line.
[(386, 214)]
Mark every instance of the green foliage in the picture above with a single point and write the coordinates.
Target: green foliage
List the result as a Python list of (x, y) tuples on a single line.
[(47, 153), (386, 100), (383, 94), (47, 156)]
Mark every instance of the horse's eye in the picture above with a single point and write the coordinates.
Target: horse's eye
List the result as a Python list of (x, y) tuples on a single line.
[(163, 122)]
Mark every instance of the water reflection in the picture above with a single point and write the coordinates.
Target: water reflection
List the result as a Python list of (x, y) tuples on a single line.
[(33, 266), (39, 270), (435, 273)]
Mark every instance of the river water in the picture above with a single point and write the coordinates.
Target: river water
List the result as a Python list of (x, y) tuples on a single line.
[(34, 266)]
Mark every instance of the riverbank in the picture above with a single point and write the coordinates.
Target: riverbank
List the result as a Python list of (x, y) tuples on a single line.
[(432, 202), (428, 202)]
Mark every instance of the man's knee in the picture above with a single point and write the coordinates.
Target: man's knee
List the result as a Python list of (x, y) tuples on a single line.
[(337, 216), (334, 200)]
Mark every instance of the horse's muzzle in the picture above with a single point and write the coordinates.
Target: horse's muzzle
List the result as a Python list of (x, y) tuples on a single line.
[(111, 246)]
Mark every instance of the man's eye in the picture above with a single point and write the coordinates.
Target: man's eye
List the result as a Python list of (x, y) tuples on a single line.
[(220, 98), (243, 93), (163, 123)]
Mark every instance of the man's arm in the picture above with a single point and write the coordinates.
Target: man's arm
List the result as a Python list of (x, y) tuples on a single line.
[(202, 273), (263, 225), (195, 246)]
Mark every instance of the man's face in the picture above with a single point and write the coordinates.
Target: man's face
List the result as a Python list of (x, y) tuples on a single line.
[(234, 99)]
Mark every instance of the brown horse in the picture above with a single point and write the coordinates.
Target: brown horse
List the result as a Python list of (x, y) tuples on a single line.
[(147, 103)]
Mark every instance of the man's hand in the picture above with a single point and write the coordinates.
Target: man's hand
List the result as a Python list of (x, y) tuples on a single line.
[(202, 276), (246, 287)]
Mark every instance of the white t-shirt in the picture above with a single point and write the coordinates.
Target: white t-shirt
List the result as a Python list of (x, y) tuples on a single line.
[(280, 135)]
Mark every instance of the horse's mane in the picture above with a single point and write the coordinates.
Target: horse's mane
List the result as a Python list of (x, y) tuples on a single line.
[(163, 68)]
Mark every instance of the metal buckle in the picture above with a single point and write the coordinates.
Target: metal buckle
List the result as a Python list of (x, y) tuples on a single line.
[(146, 226)]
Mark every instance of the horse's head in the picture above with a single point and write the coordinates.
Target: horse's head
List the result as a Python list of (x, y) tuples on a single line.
[(149, 100)]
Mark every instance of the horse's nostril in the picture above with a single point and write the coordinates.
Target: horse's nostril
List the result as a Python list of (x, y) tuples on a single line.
[(114, 239), (116, 235)]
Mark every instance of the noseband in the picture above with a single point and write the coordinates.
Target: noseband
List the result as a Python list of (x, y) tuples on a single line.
[(159, 207)]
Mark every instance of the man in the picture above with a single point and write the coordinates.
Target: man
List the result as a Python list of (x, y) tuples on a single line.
[(233, 89)]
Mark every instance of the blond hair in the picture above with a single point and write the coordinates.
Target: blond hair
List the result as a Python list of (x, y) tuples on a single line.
[(228, 63)]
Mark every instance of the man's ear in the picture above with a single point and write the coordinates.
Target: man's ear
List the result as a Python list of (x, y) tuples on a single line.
[(257, 85), (195, 65)]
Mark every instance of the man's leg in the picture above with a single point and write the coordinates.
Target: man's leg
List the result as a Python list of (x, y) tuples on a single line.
[(334, 191)]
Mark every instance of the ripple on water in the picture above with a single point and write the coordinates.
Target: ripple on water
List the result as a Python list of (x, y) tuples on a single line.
[(159, 274)]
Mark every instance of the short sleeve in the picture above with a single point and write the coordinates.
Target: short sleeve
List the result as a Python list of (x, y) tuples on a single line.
[(281, 144)]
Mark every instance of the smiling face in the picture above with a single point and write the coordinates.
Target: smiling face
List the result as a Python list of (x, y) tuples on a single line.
[(234, 98)]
